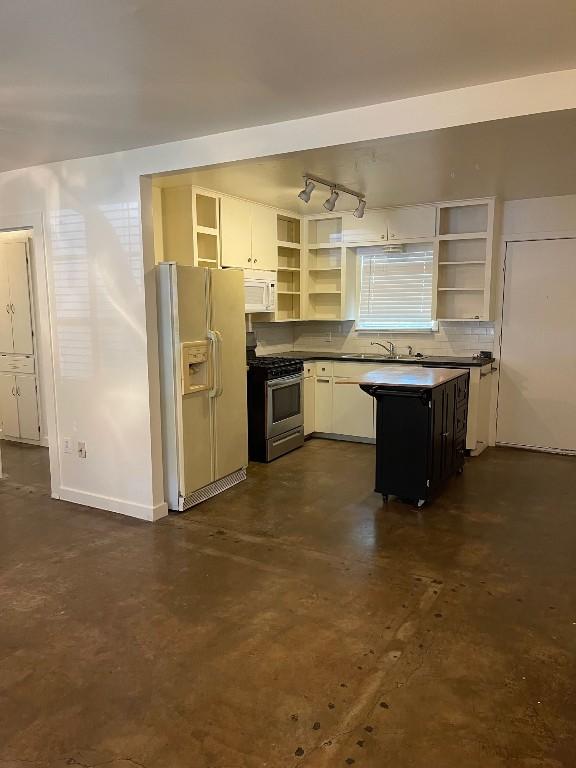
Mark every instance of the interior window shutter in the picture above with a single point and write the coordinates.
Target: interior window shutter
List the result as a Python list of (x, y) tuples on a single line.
[(396, 287)]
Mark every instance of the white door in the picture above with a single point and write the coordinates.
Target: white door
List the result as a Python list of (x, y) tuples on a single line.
[(353, 411), (6, 341), (8, 406), (20, 303), (236, 233), (27, 397), (537, 393), (229, 404)]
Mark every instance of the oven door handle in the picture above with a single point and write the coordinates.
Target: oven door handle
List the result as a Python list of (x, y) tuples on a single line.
[(286, 381)]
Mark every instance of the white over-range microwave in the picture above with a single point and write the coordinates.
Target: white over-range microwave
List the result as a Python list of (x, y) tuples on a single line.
[(259, 291)]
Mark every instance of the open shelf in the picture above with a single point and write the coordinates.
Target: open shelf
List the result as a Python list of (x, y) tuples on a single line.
[(288, 258), (288, 306), (460, 305), (323, 293), (464, 236), (324, 306), (466, 220), (207, 245), (458, 263), (206, 212), (287, 244), (288, 281), (288, 230), (323, 233), (475, 290), (325, 259)]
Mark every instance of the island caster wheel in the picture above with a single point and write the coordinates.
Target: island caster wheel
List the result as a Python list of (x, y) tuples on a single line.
[(385, 498), (421, 503), (460, 470)]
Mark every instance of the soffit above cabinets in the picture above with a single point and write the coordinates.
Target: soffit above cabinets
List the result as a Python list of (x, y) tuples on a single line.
[(510, 159)]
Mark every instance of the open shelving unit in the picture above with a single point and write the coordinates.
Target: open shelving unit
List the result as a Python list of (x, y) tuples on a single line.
[(330, 271), (465, 244), (191, 226), (289, 278)]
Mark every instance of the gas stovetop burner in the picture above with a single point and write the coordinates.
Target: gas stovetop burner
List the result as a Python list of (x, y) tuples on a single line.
[(275, 367)]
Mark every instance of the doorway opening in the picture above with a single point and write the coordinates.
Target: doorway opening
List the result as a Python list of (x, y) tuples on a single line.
[(25, 362)]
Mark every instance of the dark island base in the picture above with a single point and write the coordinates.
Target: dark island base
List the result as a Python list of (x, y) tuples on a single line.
[(420, 438)]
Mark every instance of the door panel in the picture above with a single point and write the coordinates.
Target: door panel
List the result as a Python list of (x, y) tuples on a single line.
[(353, 411), (323, 404), (17, 262), (309, 405), (236, 233), (9, 406), (264, 238), (6, 342), (196, 460), (537, 396), (230, 406), (28, 407)]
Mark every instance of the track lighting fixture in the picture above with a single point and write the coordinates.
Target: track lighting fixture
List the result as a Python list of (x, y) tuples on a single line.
[(306, 193), (359, 212), (331, 202), (310, 183)]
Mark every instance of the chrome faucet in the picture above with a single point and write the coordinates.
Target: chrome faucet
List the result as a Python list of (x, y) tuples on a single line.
[(387, 345)]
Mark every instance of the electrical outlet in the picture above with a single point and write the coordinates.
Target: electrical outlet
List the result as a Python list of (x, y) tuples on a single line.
[(67, 445), (81, 449)]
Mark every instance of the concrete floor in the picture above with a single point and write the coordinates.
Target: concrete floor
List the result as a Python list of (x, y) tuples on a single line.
[(293, 621)]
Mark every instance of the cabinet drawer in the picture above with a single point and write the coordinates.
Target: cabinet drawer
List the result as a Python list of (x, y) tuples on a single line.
[(324, 368), (16, 364), (309, 369), (461, 388), (460, 421)]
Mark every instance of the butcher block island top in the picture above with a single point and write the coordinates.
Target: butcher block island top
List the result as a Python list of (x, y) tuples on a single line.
[(409, 376)]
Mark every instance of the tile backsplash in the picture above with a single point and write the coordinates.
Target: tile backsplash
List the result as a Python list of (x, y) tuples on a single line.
[(450, 339)]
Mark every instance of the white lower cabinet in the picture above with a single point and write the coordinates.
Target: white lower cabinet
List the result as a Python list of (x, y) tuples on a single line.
[(323, 404), (19, 407), (309, 405), (353, 411)]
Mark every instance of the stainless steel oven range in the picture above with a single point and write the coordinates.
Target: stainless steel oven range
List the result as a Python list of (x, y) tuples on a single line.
[(275, 407)]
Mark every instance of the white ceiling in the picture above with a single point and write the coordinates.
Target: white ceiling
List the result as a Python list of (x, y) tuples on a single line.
[(522, 157), (82, 77)]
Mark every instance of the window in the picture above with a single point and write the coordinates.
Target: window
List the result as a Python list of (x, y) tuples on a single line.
[(396, 287)]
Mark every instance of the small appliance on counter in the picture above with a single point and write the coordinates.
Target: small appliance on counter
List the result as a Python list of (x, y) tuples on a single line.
[(275, 404)]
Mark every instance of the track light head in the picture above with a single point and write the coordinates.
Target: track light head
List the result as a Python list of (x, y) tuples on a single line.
[(359, 212), (331, 202), (307, 191)]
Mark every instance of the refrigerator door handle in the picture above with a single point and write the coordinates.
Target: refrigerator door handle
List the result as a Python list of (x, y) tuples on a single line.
[(220, 385), (215, 361)]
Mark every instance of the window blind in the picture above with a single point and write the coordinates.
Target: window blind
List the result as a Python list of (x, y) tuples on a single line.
[(396, 287)]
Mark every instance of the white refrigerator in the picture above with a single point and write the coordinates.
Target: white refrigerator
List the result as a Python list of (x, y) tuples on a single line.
[(202, 342)]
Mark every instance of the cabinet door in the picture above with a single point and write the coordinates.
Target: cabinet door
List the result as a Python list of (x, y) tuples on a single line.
[(236, 233), (264, 238), (371, 228), (323, 404), (309, 405), (415, 221), (353, 411), (27, 398), (6, 342), (9, 407), (20, 300), (448, 447)]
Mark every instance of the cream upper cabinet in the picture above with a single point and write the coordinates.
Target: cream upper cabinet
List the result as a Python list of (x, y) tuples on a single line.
[(412, 222), (16, 307), (372, 227), (264, 237), (236, 232)]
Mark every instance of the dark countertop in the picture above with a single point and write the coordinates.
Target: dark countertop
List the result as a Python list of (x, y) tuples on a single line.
[(428, 360)]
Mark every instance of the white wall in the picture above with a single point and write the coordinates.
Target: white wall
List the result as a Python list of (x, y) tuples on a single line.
[(102, 318)]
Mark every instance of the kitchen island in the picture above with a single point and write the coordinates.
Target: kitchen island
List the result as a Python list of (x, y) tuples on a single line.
[(420, 427)]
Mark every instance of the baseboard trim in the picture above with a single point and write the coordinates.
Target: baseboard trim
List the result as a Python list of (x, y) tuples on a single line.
[(539, 449), (121, 507), (343, 438), (42, 443)]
